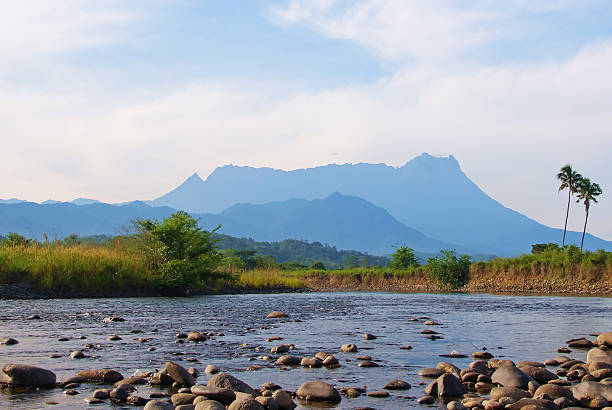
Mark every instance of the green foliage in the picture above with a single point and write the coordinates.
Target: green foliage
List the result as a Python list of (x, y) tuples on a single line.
[(184, 255), (448, 270), (403, 258), (544, 247), (352, 261), (239, 258), (14, 239), (318, 265)]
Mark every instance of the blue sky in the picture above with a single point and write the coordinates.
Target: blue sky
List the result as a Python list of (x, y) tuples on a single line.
[(122, 100)]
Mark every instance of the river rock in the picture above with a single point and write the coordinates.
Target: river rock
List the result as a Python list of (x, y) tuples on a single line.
[(581, 343), (533, 404), (512, 392), (101, 394), (227, 381), (318, 391), (598, 355), (225, 396), (110, 319), (160, 378), (284, 400), (26, 376), (426, 400), (246, 404), (348, 347), (196, 337), (268, 402), (331, 361), (136, 400), (211, 369), (529, 363), (540, 374), (121, 393), (378, 394), (289, 360), (311, 362), (397, 385), (455, 405), (8, 341), (482, 355), (159, 405), (431, 372), (367, 363), (602, 373), (605, 339), (584, 392), (179, 374), (182, 398), (554, 391), (448, 367), (450, 386), (77, 354), (510, 376), (276, 315), (281, 348), (497, 363), (369, 336)]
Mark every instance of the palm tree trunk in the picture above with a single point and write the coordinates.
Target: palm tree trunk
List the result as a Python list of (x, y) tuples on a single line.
[(584, 229), (569, 197)]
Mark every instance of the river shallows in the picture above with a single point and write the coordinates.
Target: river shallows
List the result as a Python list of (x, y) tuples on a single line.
[(513, 327)]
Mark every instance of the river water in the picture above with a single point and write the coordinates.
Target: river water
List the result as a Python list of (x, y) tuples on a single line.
[(513, 327)]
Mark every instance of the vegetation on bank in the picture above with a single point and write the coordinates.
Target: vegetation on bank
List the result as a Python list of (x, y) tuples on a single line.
[(175, 255)]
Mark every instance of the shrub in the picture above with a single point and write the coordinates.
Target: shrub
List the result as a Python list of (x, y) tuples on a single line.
[(403, 258), (448, 270), (318, 265)]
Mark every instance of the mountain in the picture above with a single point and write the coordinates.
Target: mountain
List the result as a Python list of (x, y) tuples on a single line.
[(348, 222), (11, 201), (429, 194)]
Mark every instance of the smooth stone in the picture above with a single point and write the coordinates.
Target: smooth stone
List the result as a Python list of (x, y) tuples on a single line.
[(222, 395), (284, 400), (280, 348), (318, 391), (209, 405), (159, 405), (379, 394), (510, 376), (8, 341), (456, 405), (288, 360), (268, 403), (110, 319), (179, 374), (227, 381), (331, 361), (71, 392), (114, 338), (554, 391), (512, 392), (120, 393), (92, 400), (246, 404), (369, 336), (426, 400), (584, 392), (482, 355), (348, 348), (605, 338), (311, 362), (431, 372), (397, 385), (101, 394), (368, 363), (276, 315), (77, 354), (211, 369), (532, 404), (196, 337), (182, 398), (24, 375), (450, 386), (136, 401), (101, 375), (539, 374)]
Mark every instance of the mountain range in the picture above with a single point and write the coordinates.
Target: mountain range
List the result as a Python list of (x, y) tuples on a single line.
[(427, 204)]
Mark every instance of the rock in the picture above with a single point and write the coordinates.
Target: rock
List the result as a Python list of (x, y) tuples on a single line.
[(602, 373), (598, 355), (114, 338), (209, 405), (311, 362), (276, 315), (605, 339), (532, 404), (554, 391), (246, 404), (8, 341), (539, 374), (514, 393), (182, 398), (24, 375), (456, 405), (110, 319), (369, 336), (379, 394), (432, 389), (71, 392), (497, 363), (211, 369), (288, 360), (367, 363), (584, 392), (77, 354), (598, 403), (120, 393), (450, 386), (397, 385), (492, 405), (581, 343), (93, 400), (352, 393), (529, 363), (160, 379), (185, 407), (318, 391), (227, 381), (406, 347), (284, 400), (194, 372), (196, 337), (73, 379), (179, 374), (349, 348), (331, 361), (426, 400), (101, 394), (269, 403), (136, 400), (159, 405), (510, 376), (482, 355), (33, 317), (222, 395), (431, 372), (431, 323), (280, 348), (448, 367)]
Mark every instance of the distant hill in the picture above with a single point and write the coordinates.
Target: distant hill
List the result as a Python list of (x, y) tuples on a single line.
[(347, 222), (429, 194)]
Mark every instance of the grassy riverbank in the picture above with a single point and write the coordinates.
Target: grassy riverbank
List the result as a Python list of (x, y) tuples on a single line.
[(121, 268)]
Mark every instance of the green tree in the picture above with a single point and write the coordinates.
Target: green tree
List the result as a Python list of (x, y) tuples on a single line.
[(569, 180), (587, 192), (318, 265), (449, 270), (183, 254), (352, 261), (403, 258)]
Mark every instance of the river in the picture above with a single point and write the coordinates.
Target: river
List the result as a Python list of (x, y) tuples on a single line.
[(512, 327)]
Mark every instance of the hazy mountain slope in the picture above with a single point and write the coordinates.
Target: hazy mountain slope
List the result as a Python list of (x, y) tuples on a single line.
[(348, 222), (431, 195)]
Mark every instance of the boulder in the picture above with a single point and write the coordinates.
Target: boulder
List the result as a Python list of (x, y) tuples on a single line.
[(331, 361), (284, 400), (379, 394), (209, 405), (311, 362), (8, 341), (179, 374), (289, 360), (227, 381), (160, 379), (510, 376), (136, 400), (318, 391), (367, 363), (224, 396), (101, 375), (533, 404), (121, 393), (513, 392), (554, 391), (448, 367), (348, 347), (581, 343), (182, 398), (158, 405), (26, 376), (280, 348), (397, 385), (605, 339), (539, 374), (211, 369), (586, 391), (268, 402), (598, 355), (431, 372), (450, 386), (101, 394), (246, 404), (455, 405), (276, 315), (196, 337)]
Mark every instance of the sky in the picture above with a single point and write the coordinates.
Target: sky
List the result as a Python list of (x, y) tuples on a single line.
[(122, 100)]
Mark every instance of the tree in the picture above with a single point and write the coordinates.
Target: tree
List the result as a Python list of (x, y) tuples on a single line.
[(587, 191), (449, 270), (184, 254), (403, 258), (569, 180)]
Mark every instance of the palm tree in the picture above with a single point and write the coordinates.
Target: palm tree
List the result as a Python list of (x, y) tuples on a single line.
[(569, 179), (587, 191)]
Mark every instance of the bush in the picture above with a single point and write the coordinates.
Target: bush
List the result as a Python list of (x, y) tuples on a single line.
[(318, 265), (448, 270), (544, 247), (403, 258)]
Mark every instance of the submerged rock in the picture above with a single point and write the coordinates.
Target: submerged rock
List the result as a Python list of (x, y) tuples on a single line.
[(26, 376)]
